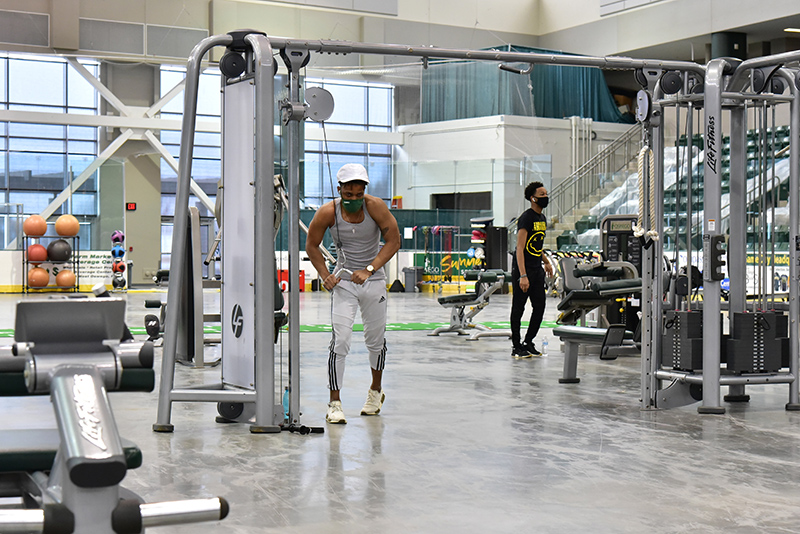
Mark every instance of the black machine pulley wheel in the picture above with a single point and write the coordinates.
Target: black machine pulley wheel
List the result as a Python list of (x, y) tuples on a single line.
[(232, 64), (230, 410)]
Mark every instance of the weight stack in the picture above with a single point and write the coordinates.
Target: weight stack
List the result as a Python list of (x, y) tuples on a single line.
[(759, 342), (682, 340)]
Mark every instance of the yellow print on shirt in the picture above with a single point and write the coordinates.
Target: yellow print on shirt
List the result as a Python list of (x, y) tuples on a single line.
[(536, 238)]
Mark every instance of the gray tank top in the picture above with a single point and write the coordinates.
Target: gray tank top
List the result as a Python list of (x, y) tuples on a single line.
[(359, 242)]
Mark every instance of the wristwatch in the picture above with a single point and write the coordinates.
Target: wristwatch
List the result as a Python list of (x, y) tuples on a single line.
[(370, 269)]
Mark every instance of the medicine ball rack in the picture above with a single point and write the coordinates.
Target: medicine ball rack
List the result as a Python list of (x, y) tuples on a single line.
[(72, 262)]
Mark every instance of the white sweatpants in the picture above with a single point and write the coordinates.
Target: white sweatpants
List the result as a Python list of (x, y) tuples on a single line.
[(346, 299)]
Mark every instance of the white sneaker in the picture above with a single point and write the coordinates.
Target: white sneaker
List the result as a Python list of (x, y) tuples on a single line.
[(335, 413), (374, 402)]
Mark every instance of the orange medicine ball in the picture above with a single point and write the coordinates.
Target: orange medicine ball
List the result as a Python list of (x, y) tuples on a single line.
[(65, 278), (34, 226), (37, 254), (67, 225), (38, 277)]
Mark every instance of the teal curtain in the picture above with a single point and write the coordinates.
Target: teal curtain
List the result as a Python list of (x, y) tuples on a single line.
[(465, 89)]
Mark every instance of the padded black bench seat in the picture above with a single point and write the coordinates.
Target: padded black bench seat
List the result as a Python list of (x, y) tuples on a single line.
[(585, 334), (462, 298), (32, 450)]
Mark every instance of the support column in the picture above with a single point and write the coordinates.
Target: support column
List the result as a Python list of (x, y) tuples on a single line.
[(135, 85), (729, 44), (737, 252), (712, 215), (794, 252)]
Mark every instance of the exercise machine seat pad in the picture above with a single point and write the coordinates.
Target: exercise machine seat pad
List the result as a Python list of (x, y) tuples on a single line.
[(12, 376), (633, 284), (584, 333), (582, 298), (35, 450), (489, 276), (464, 298), (599, 271)]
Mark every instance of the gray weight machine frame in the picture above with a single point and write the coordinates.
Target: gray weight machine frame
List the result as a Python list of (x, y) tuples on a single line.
[(259, 320), (724, 83), (259, 63)]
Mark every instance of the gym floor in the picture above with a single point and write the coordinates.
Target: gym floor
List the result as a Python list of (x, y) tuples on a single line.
[(469, 441)]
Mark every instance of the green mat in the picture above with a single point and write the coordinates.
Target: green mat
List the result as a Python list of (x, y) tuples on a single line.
[(392, 327)]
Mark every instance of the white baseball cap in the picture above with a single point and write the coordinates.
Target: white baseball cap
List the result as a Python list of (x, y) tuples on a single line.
[(351, 172)]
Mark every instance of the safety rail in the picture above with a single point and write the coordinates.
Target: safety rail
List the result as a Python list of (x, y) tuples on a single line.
[(586, 180)]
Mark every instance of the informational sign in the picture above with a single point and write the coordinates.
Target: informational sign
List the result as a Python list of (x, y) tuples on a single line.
[(446, 263)]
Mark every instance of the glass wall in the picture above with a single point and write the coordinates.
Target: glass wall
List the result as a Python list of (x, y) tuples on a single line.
[(206, 161), (38, 161), (364, 106)]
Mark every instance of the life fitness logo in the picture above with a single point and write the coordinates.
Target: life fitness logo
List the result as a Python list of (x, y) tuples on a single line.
[(237, 320)]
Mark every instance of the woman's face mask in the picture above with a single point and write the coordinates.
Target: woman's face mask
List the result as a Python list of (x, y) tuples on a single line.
[(353, 205)]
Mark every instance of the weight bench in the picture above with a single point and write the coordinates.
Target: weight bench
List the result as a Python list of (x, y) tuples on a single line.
[(486, 283), (610, 339), (66, 479)]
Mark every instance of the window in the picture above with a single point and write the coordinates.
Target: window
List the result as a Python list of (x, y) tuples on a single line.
[(206, 160), (206, 155), (39, 161), (364, 106)]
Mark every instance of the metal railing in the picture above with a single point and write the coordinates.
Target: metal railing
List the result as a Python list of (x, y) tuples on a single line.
[(591, 176), (11, 220)]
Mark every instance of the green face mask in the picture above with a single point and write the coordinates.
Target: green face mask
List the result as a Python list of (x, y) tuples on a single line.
[(352, 206)]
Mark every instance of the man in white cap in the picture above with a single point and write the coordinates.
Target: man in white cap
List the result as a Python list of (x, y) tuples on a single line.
[(356, 222)]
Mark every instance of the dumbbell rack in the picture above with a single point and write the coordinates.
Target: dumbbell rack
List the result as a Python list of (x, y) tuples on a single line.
[(73, 262)]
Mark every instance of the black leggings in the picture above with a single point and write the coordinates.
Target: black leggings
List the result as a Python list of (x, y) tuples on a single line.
[(536, 294)]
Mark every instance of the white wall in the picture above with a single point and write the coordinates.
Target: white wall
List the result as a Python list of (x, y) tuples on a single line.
[(483, 154), (572, 25), (580, 29)]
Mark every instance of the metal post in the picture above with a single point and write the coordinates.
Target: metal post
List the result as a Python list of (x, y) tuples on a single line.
[(653, 260), (689, 197), (651, 314), (737, 244), (711, 227), (296, 60), (178, 254), (794, 243), (264, 238)]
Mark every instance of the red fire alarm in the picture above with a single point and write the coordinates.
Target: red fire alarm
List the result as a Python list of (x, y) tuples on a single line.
[(130, 206)]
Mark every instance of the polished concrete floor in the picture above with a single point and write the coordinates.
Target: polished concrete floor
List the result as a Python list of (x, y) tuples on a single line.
[(469, 441)]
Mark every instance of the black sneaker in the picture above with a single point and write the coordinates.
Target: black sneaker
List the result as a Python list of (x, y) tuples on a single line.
[(531, 348), (520, 352)]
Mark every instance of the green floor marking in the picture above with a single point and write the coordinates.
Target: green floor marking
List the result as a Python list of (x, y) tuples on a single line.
[(392, 327)]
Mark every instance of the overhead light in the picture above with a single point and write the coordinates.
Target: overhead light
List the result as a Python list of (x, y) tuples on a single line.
[(792, 30)]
